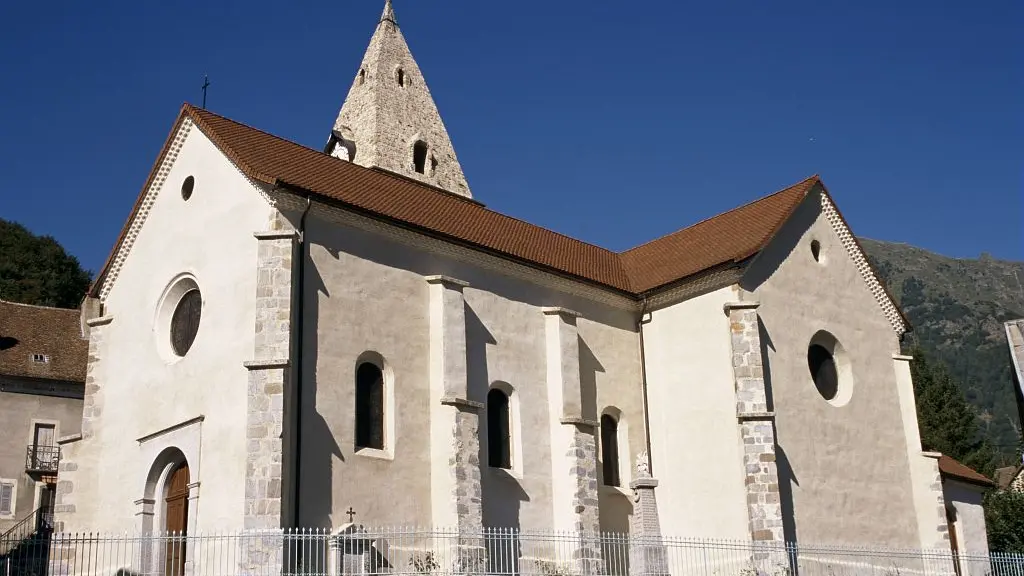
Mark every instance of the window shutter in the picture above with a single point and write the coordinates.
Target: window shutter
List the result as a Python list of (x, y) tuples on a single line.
[(6, 498)]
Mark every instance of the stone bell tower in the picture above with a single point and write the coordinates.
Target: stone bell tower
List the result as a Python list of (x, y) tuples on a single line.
[(389, 119)]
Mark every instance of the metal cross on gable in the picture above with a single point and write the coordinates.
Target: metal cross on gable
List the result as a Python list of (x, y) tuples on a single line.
[(351, 514)]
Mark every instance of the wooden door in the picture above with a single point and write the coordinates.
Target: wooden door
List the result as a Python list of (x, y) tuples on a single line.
[(176, 513)]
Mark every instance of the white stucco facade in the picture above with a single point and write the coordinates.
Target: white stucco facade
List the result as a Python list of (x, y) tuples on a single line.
[(152, 401), (967, 525)]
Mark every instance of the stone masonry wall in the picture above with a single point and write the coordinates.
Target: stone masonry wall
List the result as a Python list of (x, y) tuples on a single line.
[(92, 409), (756, 425), (582, 456), (269, 373)]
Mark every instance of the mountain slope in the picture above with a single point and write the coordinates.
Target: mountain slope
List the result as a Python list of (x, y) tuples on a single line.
[(957, 308)]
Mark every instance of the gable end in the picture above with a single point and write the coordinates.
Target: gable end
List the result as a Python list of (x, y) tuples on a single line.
[(856, 253), (141, 211)]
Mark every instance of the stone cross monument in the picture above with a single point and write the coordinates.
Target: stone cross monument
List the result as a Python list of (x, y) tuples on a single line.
[(647, 554)]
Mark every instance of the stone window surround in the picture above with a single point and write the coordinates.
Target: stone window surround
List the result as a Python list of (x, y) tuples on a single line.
[(32, 430), (844, 368), (13, 483), (515, 431), (625, 469), (388, 373), (167, 303)]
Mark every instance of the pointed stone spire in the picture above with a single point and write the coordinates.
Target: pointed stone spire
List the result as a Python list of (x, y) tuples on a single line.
[(389, 13), (389, 119)]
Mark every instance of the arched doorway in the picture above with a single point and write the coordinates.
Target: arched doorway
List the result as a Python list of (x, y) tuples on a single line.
[(176, 520)]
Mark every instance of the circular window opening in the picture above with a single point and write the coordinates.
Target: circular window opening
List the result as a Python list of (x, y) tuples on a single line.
[(816, 250), (829, 368), (176, 322), (185, 321), (823, 371), (187, 186)]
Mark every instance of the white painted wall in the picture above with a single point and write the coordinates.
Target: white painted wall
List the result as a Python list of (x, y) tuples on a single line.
[(845, 467), (695, 442), (366, 290), (210, 236)]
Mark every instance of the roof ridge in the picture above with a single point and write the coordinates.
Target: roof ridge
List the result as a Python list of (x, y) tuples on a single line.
[(194, 109), (2, 301), (720, 214)]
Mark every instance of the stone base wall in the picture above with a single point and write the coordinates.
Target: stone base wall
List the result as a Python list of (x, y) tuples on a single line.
[(763, 502), (465, 469), (582, 457)]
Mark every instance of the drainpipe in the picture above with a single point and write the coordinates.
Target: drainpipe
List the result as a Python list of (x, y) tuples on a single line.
[(643, 385), (296, 359)]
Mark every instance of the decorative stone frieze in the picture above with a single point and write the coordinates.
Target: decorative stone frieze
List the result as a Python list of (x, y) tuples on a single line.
[(756, 424), (647, 553)]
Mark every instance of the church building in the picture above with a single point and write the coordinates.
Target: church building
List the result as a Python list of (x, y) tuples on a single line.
[(282, 334)]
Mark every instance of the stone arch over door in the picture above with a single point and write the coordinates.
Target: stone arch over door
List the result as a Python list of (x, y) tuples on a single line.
[(168, 505), (161, 455)]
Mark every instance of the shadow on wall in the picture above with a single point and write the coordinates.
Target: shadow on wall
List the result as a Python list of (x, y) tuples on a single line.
[(783, 244), (614, 507), (501, 493), (787, 477), (319, 447), (589, 367)]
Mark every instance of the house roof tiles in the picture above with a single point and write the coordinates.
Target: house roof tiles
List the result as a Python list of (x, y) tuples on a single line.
[(52, 333)]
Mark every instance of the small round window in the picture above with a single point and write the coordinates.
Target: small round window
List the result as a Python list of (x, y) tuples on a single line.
[(187, 187), (816, 250), (185, 322), (830, 369)]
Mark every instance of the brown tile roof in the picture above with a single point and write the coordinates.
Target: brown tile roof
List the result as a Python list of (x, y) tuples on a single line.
[(54, 332), (729, 238), (953, 469)]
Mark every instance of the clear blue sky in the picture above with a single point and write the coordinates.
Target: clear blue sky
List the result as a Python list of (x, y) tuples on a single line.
[(614, 122)]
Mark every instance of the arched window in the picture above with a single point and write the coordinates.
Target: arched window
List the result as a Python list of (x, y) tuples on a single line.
[(499, 438), (369, 406), (419, 156), (610, 450)]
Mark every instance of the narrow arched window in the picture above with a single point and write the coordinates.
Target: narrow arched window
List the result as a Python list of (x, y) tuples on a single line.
[(369, 406), (610, 450), (499, 438), (419, 156)]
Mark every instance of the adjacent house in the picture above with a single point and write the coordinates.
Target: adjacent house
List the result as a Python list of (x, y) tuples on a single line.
[(42, 381), (963, 490)]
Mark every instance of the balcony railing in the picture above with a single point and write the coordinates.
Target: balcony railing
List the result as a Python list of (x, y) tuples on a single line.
[(42, 458)]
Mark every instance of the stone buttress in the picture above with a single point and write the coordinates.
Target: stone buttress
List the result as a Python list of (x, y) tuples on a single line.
[(574, 446), (756, 425), (456, 491), (269, 379)]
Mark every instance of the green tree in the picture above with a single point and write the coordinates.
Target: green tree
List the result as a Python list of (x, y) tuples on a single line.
[(37, 270), (947, 422), (1004, 519)]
